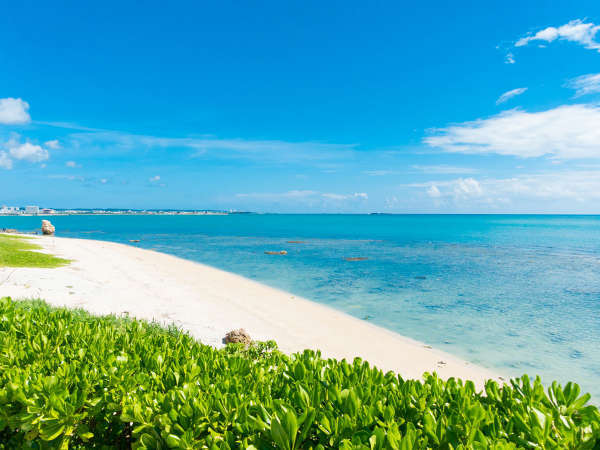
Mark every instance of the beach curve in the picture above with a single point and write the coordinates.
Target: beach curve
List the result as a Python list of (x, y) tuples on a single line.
[(112, 278)]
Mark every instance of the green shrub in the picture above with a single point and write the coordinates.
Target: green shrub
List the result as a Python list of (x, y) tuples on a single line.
[(72, 380)]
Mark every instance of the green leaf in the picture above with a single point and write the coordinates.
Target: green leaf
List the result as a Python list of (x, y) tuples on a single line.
[(173, 441), (279, 434)]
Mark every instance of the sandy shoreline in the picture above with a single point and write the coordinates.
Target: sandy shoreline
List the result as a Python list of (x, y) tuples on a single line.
[(107, 277)]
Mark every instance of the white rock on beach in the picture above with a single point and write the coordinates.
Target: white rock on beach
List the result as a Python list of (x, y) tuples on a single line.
[(47, 227)]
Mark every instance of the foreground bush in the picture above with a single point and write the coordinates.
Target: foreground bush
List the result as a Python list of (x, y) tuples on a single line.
[(71, 380)]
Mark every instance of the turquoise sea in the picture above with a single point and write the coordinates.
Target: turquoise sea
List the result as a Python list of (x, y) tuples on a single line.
[(517, 293)]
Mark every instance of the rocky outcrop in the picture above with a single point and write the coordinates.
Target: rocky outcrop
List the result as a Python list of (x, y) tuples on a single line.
[(47, 227), (238, 336), (356, 258)]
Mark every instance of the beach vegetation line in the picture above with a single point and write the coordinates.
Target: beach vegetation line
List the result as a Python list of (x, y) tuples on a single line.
[(69, 379)]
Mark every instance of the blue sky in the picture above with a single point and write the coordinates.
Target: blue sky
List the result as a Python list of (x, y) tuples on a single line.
[(302, 106)]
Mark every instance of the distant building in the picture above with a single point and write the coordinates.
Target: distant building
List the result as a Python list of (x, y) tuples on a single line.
[(32, 210), (9, 210), (47, 211)]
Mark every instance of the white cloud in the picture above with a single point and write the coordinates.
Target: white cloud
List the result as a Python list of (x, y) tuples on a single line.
[(263, 150), (459, 189), (335, 196), (294, 194), (71, 164), (509, 59), (53, 144), (445, 169), (68, 177), (28, 152), (154, 179), (510, 94), (25, 151), (356, 195), (434, 192), (585, 84), (103, 180), (579, 186), (303, 195), (5, 161), (432, 169), (467, 187), (379, 173), (582, 186), (13, 111), (574, 31), (566, 132)]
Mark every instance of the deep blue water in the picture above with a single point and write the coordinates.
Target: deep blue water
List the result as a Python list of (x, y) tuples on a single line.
[(520, 294)]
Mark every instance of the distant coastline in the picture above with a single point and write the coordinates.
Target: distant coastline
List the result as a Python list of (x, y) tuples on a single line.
[(115, 212)]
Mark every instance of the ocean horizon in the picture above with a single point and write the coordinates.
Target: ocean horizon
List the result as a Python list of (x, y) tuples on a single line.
[(514, 293)]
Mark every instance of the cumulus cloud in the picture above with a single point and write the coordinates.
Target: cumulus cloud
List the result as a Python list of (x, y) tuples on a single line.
[(53, 144), (5, 161), (509, 58), (510, 94), (585, 84), (14, 149), (459, 189), (13, 111), (28, 152), (575, 31), (581, 186), (154, 179), (566, 132), (468, 187)]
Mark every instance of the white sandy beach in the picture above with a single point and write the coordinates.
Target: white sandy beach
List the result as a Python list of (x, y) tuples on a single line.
[(107, 277)]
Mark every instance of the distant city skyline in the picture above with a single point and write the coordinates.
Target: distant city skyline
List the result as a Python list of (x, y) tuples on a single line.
[(343, 107)]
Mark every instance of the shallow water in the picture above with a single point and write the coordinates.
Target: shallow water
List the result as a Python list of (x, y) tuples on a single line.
[(520, 294)]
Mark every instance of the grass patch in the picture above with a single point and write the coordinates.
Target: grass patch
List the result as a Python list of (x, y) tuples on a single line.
[(15, 251), (72, 380)]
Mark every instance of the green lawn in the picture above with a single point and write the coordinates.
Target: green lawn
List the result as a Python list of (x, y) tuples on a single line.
[(15, 251)]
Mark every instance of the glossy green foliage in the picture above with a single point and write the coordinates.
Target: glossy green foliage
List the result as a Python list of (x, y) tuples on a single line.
[(71, 380)]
